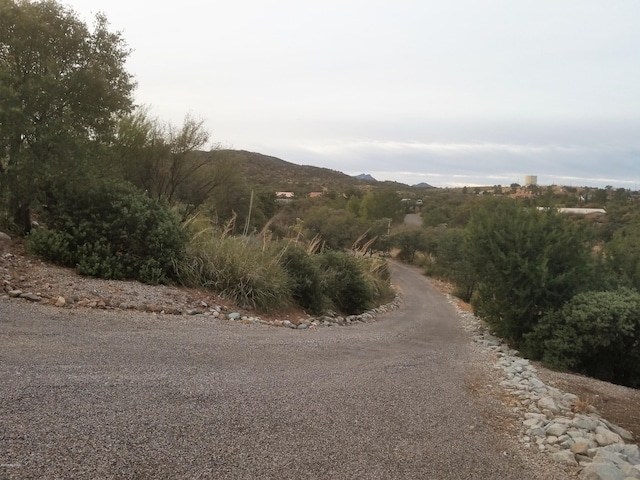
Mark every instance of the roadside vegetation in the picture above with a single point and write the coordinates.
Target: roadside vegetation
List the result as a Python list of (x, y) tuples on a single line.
[(117, 193), (96, 183), (560, 287)]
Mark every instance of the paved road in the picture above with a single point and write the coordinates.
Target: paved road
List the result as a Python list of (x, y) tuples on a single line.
[(413, 219), (88, 394)]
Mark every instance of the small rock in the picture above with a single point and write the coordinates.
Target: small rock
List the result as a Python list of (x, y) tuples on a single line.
[(606, 437), (565, 456), (303, 326), (233, 316), (580, 447), (602, 471), (14, 293), (626, 435), (60, 302), (32, 297), (548, 403), (556, 429)]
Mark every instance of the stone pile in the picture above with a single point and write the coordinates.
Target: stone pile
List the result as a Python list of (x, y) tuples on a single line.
[(561, 424)]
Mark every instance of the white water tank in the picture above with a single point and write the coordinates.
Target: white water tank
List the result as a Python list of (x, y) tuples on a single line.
[(531, 180)]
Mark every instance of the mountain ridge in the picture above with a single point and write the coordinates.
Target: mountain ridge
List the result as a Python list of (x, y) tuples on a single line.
[(282, 175)]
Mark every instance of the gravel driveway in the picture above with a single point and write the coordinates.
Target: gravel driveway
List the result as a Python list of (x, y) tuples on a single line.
[(87, 394)]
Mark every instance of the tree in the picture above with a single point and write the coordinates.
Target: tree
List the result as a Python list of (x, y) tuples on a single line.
[(337, 228), (527, 262), (62, 88), (410, 241), (164, 160)]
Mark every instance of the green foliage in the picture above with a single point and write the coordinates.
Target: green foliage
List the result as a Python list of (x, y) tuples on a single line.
[(305, 279), (339, 229), (62, 88), (344, 282), (527, 262), (383, 203), (246, 270), (378, 276), (623, 255), (410, 241), (594, 333), (110, 230), (449, 261)]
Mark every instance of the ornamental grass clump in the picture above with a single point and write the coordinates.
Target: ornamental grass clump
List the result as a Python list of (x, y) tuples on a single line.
[(245, 269)]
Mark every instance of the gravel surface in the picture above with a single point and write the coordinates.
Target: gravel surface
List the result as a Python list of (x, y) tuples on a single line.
[(91, 394)]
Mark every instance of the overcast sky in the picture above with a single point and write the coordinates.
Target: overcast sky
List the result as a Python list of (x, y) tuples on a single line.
[(455, 92)]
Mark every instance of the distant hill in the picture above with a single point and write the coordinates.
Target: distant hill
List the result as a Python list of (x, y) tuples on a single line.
[(279, 175), (365, 176), (423, 185)]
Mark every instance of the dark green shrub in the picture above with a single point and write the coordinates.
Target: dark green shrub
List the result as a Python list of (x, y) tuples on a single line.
[(526, 262), (344, 282), (305, 278), (110, 230), (595, 333)]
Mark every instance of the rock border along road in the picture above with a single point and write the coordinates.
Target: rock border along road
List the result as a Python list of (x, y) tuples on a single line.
[(95, 394)]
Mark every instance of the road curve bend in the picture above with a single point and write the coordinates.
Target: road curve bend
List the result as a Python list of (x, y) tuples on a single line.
[(91, 394)]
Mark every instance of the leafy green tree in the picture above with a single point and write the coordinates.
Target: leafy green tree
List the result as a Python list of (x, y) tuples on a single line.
[(62, 88), (527, 262), (389, 205), (594, 333), (367, 208), (339, 229), (410, 241), (165, 161)]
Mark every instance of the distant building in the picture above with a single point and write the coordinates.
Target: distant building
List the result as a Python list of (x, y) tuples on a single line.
[(531, 180), (284, 194), (588, 212)]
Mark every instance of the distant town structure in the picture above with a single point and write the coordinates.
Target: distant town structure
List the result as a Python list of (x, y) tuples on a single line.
[(531, 180)]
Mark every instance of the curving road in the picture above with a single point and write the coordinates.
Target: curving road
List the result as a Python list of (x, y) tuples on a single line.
[(86, 394)]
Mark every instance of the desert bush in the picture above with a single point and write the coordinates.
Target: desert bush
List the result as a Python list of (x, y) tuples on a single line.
[(305, 279), (595, 333), (344, 282), (110, 230), (246, 270), (526, 262)]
